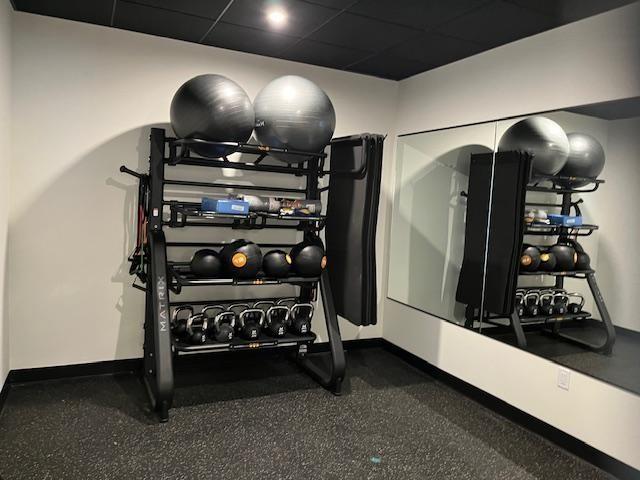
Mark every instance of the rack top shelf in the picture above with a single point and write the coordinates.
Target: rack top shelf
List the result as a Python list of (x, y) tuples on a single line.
[(572, 273), (551, 229), (591, 184)]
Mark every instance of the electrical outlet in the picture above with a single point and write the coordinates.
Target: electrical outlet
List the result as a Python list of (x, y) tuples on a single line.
[(564, 378)]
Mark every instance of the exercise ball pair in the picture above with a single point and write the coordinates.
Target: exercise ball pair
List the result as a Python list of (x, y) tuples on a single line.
[(291, 112), (553, 151)]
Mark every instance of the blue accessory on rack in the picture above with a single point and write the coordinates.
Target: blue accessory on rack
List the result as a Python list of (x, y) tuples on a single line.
[(565, 220), (225, 205)]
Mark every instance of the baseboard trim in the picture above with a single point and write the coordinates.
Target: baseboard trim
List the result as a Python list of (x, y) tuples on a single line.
[(564, 440), (551, 433)]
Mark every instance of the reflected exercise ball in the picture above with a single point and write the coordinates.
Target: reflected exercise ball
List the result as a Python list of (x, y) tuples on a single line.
[(541, 137), (294, 113), (214, 108), (586, 159)]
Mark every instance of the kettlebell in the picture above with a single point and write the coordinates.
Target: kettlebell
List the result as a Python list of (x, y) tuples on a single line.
[(530, 258), (206, 263), (560, 301), (179, 322), (546, 303), (308, 258), (250, 322), (197, 326), (575, 307), (241, 259), (276, 318), (520, 303), (221, 322), (300, 315), (276, 264), (547, 261), (531, 304)]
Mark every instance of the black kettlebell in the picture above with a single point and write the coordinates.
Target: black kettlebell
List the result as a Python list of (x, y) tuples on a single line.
[(197, 326), (276, 264), (560, 301), (575, 307), (530, 258), (547, 261), (179, 322), (300, 315), (275, 319), (206, 263), (565, 257), (520, 303), (242, 259), (308, 258), (250, 322), (221, 322), (546, 303), (531, 304)]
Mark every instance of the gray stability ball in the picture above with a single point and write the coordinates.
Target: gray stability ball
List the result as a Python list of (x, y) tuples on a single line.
[(215, 108), (541, 137), (586, 159), (294, 113)]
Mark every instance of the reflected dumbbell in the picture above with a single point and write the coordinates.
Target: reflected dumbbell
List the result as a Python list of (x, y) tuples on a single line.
[(221, 322)]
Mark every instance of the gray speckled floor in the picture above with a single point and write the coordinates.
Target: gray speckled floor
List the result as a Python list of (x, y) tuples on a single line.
[(395, 422)]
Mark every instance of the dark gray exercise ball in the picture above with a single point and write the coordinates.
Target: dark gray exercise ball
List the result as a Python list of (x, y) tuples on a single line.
[(586, 159), (212, 107), (541, 137), (294, 113)]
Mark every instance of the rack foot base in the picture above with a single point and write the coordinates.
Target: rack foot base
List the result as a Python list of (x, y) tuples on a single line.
[(327, 378)]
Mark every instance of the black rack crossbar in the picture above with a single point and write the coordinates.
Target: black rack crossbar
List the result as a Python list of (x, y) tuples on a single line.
[(226, 301), (579, 230), (263, 341), (235, 186), (570, 273), (244, 148), (557, 188), (222, 244)]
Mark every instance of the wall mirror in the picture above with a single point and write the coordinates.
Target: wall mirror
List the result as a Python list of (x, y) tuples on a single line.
[(574, 275)]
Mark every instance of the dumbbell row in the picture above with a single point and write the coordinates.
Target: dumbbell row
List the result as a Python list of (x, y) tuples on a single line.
[(221, 323), (547, 302)]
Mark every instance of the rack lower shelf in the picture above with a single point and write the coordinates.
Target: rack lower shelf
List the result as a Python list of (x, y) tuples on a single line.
[(183, 278), (264, 341)]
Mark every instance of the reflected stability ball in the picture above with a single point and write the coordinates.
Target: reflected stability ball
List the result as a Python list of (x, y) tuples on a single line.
[(542, 138), (586, 159), (294, 113), (214, 108)]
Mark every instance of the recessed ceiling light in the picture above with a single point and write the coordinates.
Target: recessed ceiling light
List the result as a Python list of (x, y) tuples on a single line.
[(277, 17)]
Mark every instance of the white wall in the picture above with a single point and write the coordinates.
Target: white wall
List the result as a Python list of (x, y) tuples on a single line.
[(589, 61), (6, 15), (85, 97)]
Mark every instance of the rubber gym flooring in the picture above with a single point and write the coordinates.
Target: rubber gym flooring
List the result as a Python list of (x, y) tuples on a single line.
[(253, 417)]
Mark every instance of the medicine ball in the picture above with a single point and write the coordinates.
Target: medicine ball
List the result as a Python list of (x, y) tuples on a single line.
[(541, 137), (529, 259), (583, 261), (242, 259), (214, 108), (276, 263), (308, 258), (294, 113), (565, 257), (547, 261), (586, 159), (206, 263)]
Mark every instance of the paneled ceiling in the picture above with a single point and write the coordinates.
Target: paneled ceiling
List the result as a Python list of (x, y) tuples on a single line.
[(385, 38)]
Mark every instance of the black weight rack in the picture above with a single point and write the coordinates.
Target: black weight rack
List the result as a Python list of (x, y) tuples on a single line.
[(564, 326), (162, 278)]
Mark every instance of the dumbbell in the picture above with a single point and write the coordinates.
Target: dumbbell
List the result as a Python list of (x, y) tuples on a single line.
[(300, 315), (275, 319), (575, 307), (249, 322), (531, 306), (196, 328), (545, 302), (560, 301), (221, 322), (178, 322)]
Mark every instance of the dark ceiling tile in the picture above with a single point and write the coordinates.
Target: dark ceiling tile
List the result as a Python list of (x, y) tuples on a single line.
[(155, 21), (317, 53), (497, 23), (434, 49), (302, 16), (94, 11), (566, 11), (246, 39), (337, 4), (387, 66), (415, 13), (201, 8), (361, 33)]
